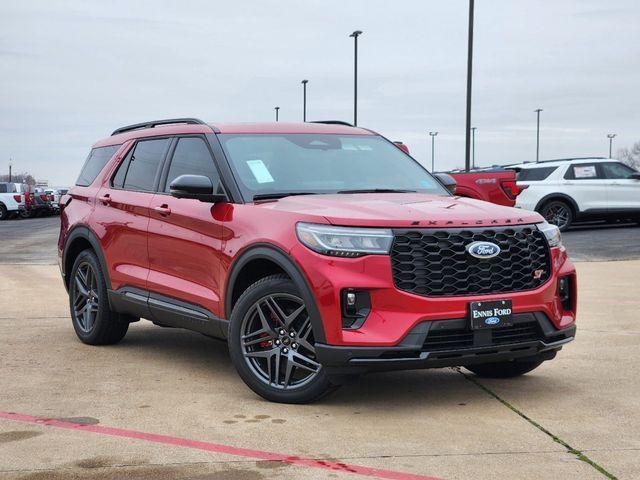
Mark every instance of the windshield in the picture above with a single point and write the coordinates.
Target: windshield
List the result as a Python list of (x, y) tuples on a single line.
[(303, 163)]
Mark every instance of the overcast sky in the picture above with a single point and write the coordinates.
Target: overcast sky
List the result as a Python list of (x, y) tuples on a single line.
[(72, 71)]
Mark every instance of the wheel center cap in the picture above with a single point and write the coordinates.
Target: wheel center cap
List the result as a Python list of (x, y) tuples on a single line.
[(286, 340)]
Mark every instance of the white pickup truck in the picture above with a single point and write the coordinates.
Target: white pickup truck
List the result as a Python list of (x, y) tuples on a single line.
[(12, 202)]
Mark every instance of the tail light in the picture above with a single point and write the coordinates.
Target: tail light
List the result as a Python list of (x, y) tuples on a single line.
[(44, 198), (511, 188), (18, 198)]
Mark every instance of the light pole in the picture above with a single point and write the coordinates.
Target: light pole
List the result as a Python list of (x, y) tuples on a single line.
[(355, 75), (469, 70), (10, 165), (610, 136), (277, 109), (433, 150), (473, 147), (304, 100), (538, 110)]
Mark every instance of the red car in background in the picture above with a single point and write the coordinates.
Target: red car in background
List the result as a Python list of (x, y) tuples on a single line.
[(496, 184)]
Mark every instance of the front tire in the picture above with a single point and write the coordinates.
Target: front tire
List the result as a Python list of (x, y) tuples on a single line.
[(505, 369), (94, 322), (558, 213), (271, 343)]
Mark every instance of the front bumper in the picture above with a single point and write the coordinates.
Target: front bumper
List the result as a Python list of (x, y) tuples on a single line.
[(446, 343)]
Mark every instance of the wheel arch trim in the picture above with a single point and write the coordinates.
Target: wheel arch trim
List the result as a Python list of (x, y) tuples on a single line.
[(85, 233), (558, 196), (276, 255)]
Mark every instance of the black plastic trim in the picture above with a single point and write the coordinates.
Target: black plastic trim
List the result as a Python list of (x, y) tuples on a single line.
[(410, 352), (558, 196), (156, 123), (286, 263), (167, 311), (84, 232), (224, 170)]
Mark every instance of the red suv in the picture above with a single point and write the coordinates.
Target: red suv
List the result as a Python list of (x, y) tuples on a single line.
[(319, 251)]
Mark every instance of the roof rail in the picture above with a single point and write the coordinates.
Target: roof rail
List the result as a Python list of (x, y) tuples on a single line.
[(155, 123), (332, 122)]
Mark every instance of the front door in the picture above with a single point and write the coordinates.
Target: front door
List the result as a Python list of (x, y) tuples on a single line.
[(185, 241), (623, 191)]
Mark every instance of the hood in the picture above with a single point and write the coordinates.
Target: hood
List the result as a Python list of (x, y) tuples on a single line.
[(402, 210)]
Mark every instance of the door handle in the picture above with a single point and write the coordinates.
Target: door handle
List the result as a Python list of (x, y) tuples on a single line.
[(105, 199), (163, 210)]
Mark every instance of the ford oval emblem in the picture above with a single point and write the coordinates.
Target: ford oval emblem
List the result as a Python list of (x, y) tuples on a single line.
[(483, 250), (492, 321)]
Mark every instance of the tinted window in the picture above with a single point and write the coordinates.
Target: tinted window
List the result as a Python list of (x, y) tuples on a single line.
[(191, 157), (534, 174), (118, 178), (142, 165), (582, 171), (617, 170), (3, 188), (97, 159)]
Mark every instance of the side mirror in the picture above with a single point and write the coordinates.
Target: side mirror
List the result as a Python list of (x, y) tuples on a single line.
[(447, 181), (635, 175), (197, 187)]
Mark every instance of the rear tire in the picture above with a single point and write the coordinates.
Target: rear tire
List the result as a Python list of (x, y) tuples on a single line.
[(558, 213), (94, 322), (3, 212), (271, 343), (505, 369)]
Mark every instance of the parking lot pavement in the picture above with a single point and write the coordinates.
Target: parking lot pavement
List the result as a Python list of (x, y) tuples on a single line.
[(29, 241), (589, 243), (434, 423)]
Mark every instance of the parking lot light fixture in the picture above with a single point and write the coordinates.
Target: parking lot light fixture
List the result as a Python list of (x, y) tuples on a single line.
[(304, 100), (610, 136), (277, 109), (355, 36), (433, 150), (538, 110)]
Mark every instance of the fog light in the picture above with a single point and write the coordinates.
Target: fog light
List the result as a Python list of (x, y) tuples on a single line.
[(356, 305), (564, 292)]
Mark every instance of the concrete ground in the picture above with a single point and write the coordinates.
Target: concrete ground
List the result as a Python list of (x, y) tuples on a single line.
[(576, 417)]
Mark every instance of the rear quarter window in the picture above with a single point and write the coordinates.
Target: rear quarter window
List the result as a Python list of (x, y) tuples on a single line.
[(534, 174), (97, 159)]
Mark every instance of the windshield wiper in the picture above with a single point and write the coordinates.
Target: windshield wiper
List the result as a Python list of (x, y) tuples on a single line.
[(276, 195), (378, 190)]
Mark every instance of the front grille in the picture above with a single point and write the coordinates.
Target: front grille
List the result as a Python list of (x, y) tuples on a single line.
[(459, 338), (436, 263)]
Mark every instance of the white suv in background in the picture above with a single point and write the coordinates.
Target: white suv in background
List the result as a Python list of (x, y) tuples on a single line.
[(11, 200), (575, 189)]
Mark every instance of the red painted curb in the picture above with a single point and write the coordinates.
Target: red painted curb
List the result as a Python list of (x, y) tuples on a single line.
[(217, 448)]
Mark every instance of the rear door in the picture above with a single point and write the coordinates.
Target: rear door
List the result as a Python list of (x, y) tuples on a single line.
[(585, 183), (623, 191), (122, 211), (185, 241)]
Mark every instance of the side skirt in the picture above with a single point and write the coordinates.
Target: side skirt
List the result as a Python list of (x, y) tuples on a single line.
[(167, 311)]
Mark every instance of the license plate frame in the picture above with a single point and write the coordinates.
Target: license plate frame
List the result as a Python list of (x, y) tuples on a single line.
[(489, 314)]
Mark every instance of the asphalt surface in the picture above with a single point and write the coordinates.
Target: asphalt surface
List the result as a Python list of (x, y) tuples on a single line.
[(167, 403), (33, 241)]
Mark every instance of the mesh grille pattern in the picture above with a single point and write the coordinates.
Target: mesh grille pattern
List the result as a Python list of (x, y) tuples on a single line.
[(436, 263)]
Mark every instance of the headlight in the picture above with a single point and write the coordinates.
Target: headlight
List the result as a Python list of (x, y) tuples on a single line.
[(552, 233), (345, 241)]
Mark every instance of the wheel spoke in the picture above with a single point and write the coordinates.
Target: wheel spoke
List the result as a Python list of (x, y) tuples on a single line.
[(285, 319), (305, 362), (259, 336), (287, 372), (81, 287), (263, 320)]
